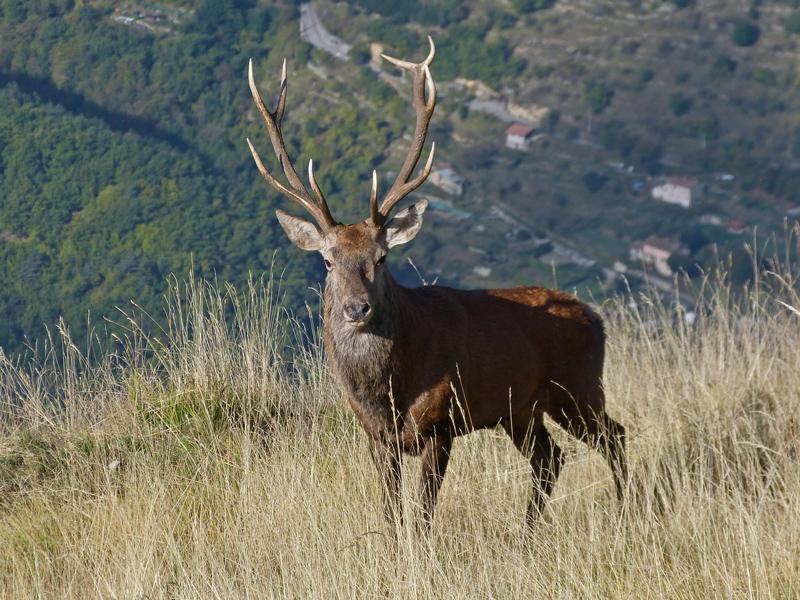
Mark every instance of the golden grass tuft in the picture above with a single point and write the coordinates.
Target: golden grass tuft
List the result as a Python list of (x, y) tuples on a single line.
[(242, 474)]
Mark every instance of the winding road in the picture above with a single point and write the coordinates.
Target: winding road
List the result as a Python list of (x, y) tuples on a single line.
[(313, 31)]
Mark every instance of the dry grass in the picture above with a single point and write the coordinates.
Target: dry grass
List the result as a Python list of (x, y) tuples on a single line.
[(244, 475)]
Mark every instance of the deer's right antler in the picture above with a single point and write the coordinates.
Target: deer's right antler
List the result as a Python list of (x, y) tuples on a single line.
[(403, 184), (317, 207)]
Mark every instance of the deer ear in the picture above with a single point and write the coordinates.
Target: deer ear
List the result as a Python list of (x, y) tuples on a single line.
[(301, 233), (406, 224)]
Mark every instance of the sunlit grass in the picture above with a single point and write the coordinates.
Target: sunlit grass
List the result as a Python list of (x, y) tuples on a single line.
[(238, 471)]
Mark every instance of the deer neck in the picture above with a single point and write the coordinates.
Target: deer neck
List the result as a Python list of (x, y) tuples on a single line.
[(365, 360)]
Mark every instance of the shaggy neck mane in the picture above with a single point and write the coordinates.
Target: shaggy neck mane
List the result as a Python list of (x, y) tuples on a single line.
[(365, 360)]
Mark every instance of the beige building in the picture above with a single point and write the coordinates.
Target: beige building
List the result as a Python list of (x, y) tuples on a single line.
[(448, 180), (655, 251)]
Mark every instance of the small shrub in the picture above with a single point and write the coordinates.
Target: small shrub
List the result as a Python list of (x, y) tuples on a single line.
[(765, 76), (682, 77), (543, 71), (530, 6), (630, 48), (792, 23), (594, 181), (598, 96), (723, 65), (745, 33), (679, 104)]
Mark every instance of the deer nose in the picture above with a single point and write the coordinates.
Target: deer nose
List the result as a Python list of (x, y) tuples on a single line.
[(356, 310)]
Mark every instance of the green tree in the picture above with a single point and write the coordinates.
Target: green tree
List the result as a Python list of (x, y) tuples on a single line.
[(745, 33), (796, 143), (594, 181), (614, 135), (723, 66), (598, 96), (706, 128), (530, 6), (679, 104), (15, 11)]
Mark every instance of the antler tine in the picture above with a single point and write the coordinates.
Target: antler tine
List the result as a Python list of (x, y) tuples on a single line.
[(270, 179), (373, 198), (319, 208), (422, 82), (404, 64), (431, 102), (282, 96), (396, 194), (323, 204), (273, 128)]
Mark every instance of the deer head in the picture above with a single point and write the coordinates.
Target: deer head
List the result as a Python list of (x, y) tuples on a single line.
[(354, 254)]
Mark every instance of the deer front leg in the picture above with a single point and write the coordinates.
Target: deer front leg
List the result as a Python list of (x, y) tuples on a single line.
[(435, 456), (388, 461)]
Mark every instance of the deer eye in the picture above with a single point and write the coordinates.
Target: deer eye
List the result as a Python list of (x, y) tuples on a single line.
[(328, 264), (381, 260)]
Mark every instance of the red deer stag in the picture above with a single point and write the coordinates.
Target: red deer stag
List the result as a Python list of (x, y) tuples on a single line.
[(421, 366)]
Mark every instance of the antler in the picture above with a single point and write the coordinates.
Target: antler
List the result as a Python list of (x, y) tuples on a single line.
[(319, 207), (424, 108)]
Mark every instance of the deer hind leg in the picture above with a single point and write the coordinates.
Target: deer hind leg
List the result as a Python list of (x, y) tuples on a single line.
[(584, 416), (532, 439), (610, 441), (435, 456)]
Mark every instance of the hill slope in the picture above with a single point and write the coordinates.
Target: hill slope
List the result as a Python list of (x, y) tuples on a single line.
[(196, 464), (122, 155)]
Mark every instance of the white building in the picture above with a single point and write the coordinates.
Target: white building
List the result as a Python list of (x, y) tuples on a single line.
[(710, 219), (448, 180), (518, 136), (677, 190)]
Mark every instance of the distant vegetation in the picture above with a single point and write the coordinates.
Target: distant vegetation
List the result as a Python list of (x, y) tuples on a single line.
[(745, 33), (440, 13), (464, 43), (123, 159), (598, 96), (122, 156)]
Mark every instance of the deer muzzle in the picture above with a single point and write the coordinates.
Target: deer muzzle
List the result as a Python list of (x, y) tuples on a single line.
[(357, 311)]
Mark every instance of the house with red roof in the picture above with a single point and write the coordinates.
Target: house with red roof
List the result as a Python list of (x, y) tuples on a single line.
[(518, 136)]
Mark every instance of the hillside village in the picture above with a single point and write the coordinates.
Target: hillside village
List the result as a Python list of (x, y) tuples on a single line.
[(707, 199), (528, 128)]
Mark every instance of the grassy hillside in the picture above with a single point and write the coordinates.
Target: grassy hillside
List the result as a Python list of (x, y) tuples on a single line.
[(122, 157), (197, 464)]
